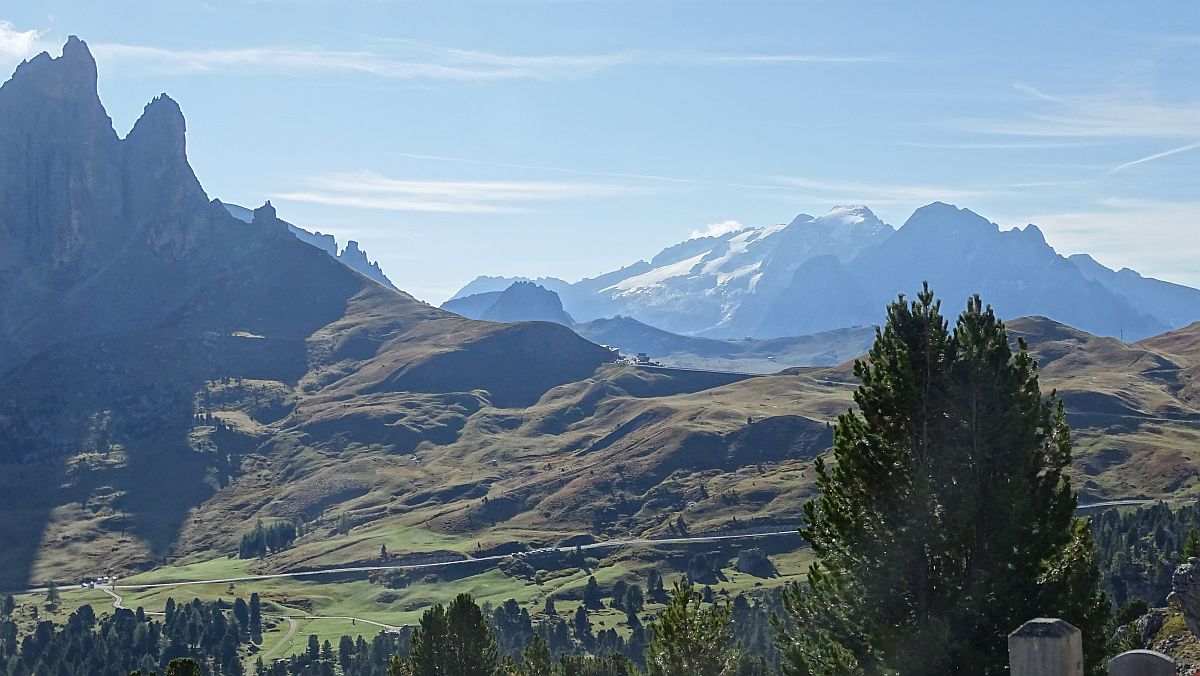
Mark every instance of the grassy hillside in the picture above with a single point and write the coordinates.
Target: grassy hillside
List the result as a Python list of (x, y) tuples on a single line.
[(623, 451), (411, 459)]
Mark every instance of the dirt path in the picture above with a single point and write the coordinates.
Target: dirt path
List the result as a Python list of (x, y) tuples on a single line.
[(293, 627)]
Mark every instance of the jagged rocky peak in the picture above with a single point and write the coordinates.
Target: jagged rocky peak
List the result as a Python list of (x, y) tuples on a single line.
[(60, 165), (356, 259), (527, 301), (156, 161), (353, 256), (1032, 230), (162, 126), (265, 213), (70, 76)]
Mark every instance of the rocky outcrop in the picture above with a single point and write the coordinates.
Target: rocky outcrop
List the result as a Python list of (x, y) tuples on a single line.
[(521, 302), (356, 259), (1185, 591), (352, 256)]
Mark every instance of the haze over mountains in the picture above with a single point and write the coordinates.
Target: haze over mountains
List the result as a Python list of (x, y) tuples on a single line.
[(127, 292), (840, 270), (169, 373), (519, 302)]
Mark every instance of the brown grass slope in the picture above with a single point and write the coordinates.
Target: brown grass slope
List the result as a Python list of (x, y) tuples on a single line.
[(628, 450), (131, 301)]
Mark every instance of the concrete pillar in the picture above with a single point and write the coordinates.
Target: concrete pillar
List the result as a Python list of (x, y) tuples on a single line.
[(1045, 647), (1142, 663)]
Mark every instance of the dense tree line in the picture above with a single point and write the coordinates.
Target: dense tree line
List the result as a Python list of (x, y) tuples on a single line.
[(211, 635), (350, 657), (689, 638), (265, 540), (1138, 550)]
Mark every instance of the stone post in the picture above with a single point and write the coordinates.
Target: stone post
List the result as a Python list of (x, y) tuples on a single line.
[(1142, 663), (1045, 647)]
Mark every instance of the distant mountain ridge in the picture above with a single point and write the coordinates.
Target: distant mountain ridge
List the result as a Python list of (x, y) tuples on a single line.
[(521, 302), (527, 301), (351, 256), (839, 270), (749, 356)]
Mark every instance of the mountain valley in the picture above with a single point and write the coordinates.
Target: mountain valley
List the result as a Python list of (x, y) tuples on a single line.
[(176, 373)]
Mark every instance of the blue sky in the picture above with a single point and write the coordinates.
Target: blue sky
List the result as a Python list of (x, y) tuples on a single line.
[(568, 138)]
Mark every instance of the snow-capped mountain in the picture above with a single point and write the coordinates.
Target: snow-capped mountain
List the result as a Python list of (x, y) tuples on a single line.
[(698, 286), (351, 256), (841, 269)]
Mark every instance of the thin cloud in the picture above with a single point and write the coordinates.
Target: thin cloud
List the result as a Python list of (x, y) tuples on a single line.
[(841, 192), (718, 229), (369, 190), (1096, 115), (784, 58), (590, 172), (1165, 239), (1000, 145), (1151, 158), (308, 61), (419, 60), (18, 45)]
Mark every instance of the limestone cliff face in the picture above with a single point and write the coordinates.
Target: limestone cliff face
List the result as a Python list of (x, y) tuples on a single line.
[(60, 167), (110, 238), (162, 197), (98, 234)]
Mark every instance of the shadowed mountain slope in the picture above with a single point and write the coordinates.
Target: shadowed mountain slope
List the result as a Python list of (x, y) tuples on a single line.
[(128, 294)]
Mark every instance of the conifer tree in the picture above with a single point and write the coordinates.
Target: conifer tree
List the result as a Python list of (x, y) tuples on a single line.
[(314, 647), (581, 628), (241, 610), (184, 666), (454, 641), (537, 660), (345, 653), (690, 640), (947, 519), (399, 667), (52, 595), (256, 616), (591, 594), (1191, 545)]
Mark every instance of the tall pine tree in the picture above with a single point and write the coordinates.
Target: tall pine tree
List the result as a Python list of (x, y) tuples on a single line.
[(947, 519), (690, 640), (454, 641)]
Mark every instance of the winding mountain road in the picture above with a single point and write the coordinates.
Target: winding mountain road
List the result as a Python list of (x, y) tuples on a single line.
[(335, 570), (455, 562)]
